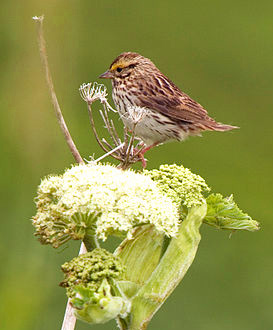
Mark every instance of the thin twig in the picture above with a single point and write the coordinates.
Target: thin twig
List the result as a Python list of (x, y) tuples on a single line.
[(109, 127), (102, 142), (112, 151), (129, 148), (125, 136), (94, 128), (106, 143), (43, 54), (109, 153), (115, 131)]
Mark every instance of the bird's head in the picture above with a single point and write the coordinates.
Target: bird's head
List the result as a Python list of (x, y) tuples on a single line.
[(128, 65)]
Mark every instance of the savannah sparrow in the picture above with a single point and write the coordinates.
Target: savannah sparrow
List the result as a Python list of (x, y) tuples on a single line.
[(164, 112)]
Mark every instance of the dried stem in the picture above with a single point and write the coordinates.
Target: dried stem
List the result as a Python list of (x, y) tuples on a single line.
[(129, 148), (94, 128), (69, 318), (43, 54)]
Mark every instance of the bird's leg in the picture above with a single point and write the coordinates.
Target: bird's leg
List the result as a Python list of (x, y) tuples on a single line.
[(143, 151), (143, 160)]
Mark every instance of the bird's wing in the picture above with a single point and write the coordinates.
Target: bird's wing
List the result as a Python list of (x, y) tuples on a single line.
[(163, 96)]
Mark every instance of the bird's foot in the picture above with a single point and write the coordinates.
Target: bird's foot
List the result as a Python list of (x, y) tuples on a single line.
[(141, 153)]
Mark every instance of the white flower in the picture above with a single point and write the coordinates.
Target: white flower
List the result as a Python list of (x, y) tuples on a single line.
[(101, 200)]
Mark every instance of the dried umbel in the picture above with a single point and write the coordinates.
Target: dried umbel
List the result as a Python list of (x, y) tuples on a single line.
[(127, 149)]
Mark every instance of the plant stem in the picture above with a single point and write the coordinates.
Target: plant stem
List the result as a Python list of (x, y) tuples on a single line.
[(91, 243), (58, 112)]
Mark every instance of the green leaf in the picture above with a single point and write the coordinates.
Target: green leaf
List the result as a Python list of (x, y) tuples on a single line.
[(223, 213)]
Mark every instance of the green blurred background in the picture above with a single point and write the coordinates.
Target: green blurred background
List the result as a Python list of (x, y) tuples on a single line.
[(219, 52)]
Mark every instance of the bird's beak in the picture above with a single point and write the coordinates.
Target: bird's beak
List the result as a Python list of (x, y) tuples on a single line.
[(107, 75)]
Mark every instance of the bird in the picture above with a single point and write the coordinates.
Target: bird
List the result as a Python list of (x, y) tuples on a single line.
[(149, 103)]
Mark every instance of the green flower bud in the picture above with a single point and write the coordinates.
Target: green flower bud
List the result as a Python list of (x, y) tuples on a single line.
[(90, 269), (180, 184), (90, 282)]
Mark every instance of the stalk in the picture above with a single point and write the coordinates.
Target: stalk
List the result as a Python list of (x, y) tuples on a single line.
[(169, 272)]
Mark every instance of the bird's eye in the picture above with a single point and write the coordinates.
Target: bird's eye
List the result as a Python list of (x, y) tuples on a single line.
[(119, 69)]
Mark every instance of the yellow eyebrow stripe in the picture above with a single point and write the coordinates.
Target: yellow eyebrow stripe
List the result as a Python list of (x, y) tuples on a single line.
[(119, 65)]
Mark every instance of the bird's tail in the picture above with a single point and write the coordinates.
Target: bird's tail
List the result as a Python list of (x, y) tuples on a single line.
[(214, 126)]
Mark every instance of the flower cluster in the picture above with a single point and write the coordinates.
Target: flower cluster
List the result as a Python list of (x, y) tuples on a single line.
[(90, 269), (90, 282), (100, 200), (180, 184)]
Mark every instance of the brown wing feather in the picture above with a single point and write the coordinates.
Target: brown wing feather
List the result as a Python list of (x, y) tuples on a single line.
[(164, 96)]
